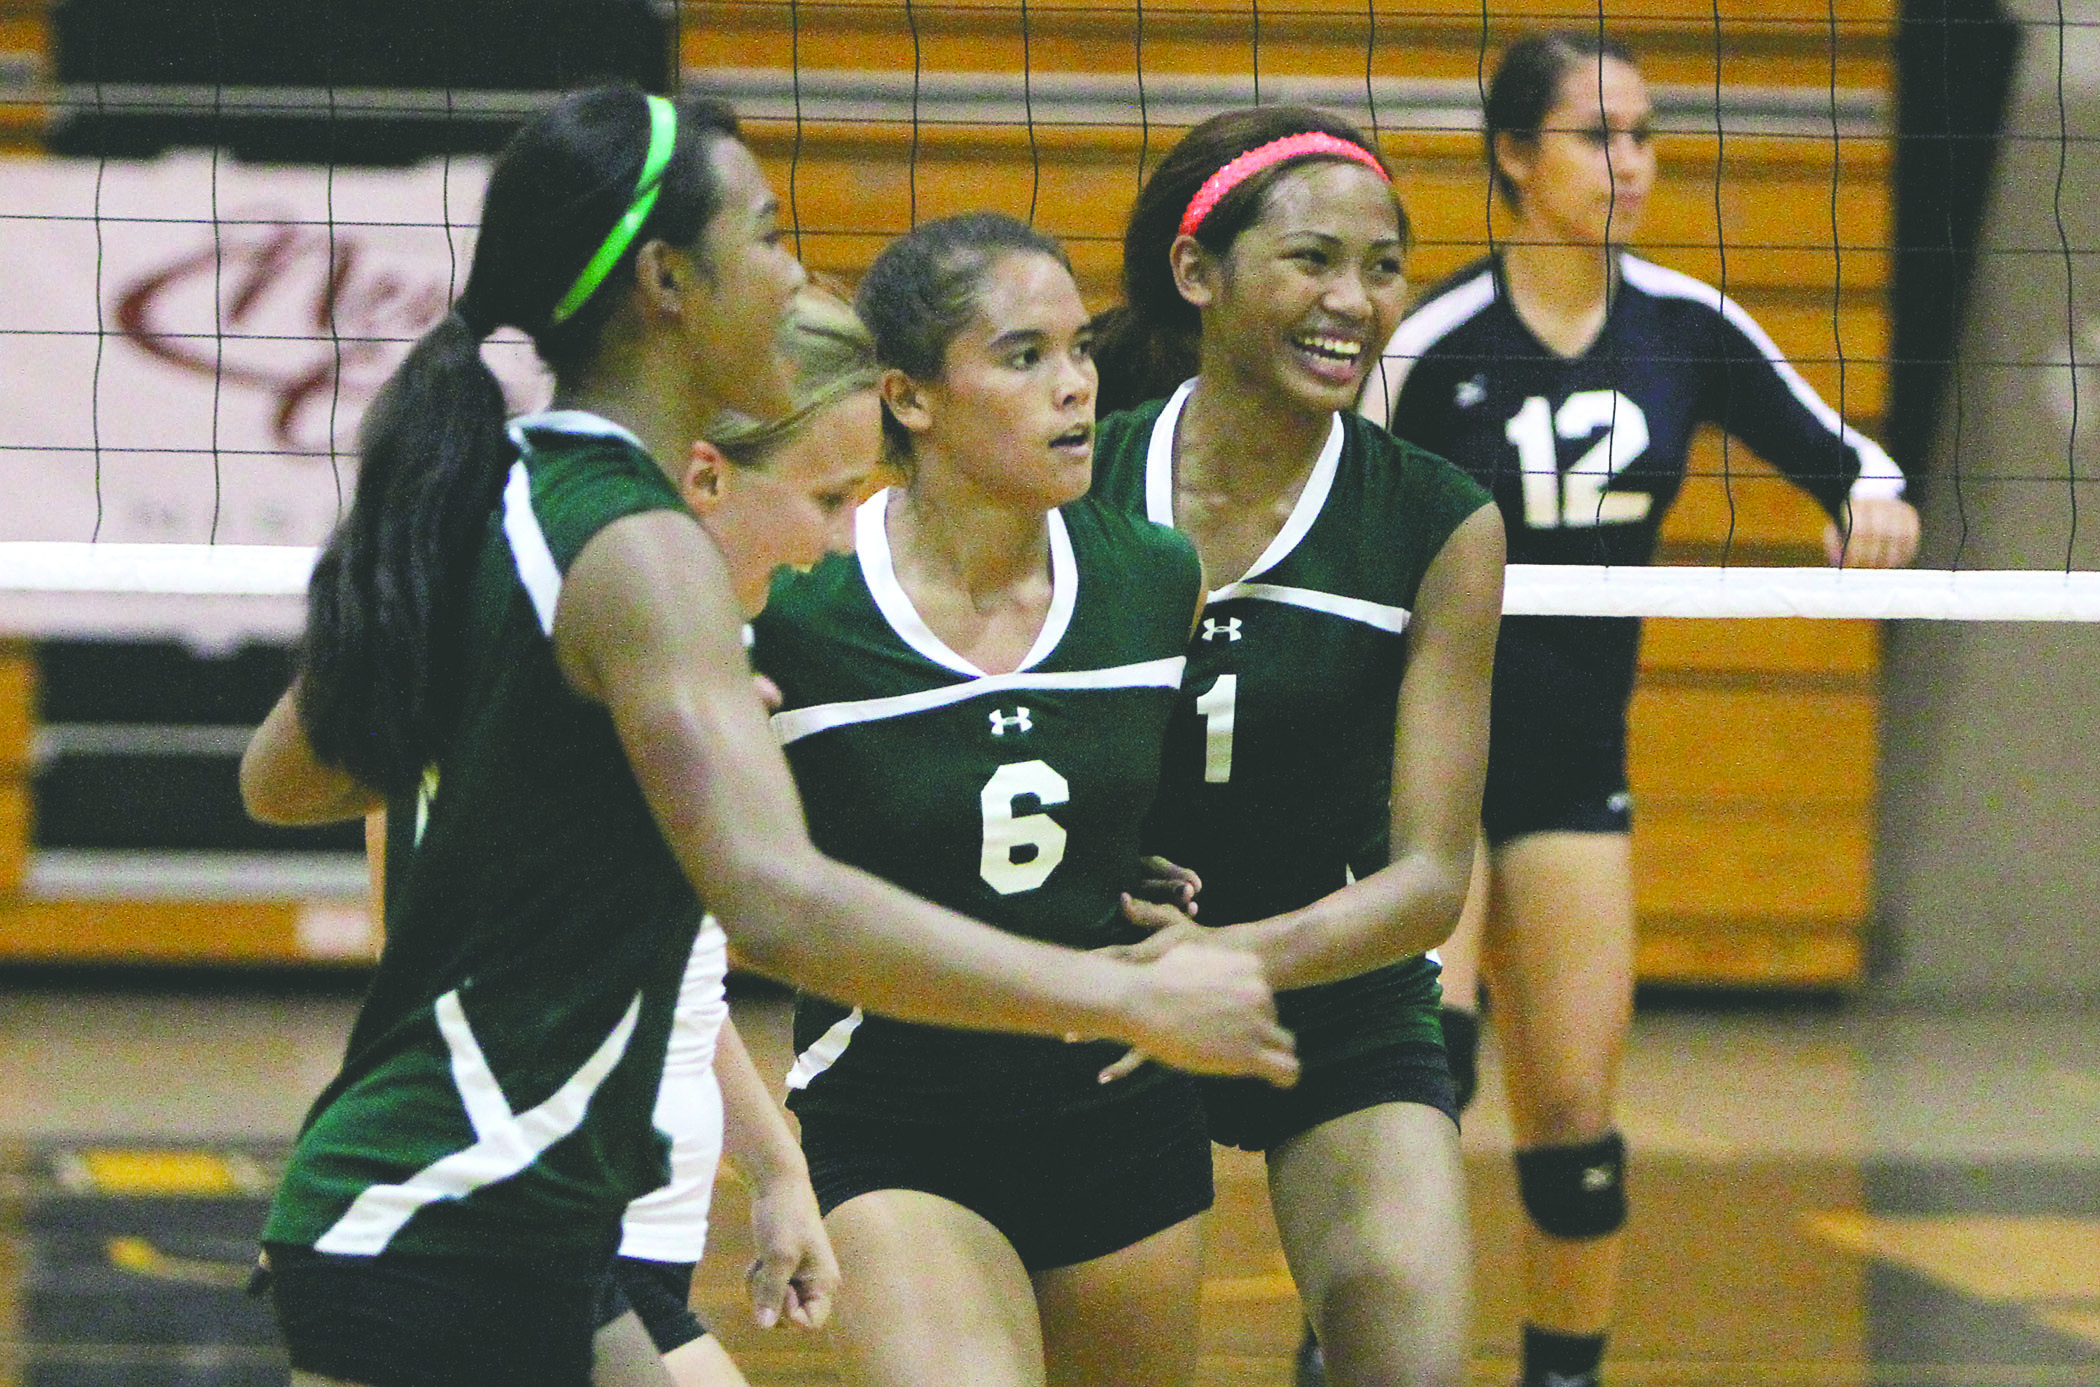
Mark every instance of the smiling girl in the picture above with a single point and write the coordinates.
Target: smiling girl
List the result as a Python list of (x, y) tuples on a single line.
[(1325, 760)]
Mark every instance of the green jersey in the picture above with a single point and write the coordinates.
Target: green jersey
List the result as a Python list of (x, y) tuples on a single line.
[(1278, 779), (1013, 798), (499, 1083)]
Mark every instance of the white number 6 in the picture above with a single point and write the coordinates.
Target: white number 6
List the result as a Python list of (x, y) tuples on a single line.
[(1020, 851)]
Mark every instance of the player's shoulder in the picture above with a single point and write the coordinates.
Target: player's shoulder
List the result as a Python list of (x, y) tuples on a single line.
[(581, 473), (802, 603), (1673, 290), (1106, 534)]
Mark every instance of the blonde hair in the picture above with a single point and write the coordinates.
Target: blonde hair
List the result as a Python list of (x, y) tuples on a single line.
[(830, 356)]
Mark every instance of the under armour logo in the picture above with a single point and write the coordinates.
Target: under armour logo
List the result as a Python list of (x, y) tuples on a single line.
[(1597, 1179), (1214, 628), (1471, 392), (1018, 720), (1554, 1379)]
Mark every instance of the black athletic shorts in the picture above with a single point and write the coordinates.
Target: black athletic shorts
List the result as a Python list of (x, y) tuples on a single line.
[(659, 1293), (1557, 729), (411, 1321), (1366, 1040), (1062, 1189)]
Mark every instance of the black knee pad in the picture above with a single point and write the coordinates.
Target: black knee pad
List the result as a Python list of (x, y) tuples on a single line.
[(1575, 1191)]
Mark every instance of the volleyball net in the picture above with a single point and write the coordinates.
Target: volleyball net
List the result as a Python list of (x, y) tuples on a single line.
[(212, 264)]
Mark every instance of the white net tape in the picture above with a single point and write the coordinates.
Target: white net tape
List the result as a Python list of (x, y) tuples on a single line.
[(221, 594)]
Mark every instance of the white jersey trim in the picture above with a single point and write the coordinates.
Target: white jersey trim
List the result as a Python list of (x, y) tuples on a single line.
[(505, 1143), (797, 723), (1385, 618), (871, 542), (528, 542), (1879, 477), (1421, 330), (1159, 484), (576, 421), (537, 570), (826, 1051), (669, 1224)]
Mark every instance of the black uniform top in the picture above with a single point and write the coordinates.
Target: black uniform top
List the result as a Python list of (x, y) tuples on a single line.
[(1585, 453)]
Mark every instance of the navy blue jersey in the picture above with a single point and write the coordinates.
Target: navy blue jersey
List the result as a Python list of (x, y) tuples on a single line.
[(1585, 453)]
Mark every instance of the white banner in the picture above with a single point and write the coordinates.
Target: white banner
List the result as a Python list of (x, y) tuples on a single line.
[(187, 345)]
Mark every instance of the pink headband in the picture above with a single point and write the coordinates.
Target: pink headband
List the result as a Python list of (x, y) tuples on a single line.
[(1260, 157)]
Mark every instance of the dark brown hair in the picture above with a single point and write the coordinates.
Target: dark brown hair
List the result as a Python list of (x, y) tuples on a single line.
[(1149, 345)]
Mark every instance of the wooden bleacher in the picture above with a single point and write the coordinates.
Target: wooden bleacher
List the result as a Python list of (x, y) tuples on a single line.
[(1754, 743)]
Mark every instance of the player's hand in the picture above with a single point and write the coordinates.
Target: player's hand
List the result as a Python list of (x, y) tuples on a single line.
[(1169, 927), (1166, 883), (1166, 924), (768, 693), (1208, 1010), (796, 1276), (1877, 533)]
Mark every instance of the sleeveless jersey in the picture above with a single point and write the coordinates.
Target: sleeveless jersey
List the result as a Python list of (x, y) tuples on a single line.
[(1014, 798), (1584, 454), (497, 1092), (1277, 786)]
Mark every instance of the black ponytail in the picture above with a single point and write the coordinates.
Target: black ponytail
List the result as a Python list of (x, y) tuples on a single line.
[(379, 667), (1149, 345), (378, 686)]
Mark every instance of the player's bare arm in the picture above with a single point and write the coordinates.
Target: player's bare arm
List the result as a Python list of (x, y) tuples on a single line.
[(647, 625)]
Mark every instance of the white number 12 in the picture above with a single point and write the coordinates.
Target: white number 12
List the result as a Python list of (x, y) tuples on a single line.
[(1579, 500)]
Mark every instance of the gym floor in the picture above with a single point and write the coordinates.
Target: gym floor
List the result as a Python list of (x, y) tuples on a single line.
[(1822, 1194)]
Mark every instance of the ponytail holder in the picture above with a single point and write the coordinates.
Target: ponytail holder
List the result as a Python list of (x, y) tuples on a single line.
[(663, 137), (1260, 157)]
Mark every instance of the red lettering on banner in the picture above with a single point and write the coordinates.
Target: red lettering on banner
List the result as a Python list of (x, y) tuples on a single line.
[(307, 316)]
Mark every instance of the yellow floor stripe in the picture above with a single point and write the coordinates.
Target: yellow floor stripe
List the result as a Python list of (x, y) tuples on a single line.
[(142, 1258), (119, 1171), (1993, 1257)]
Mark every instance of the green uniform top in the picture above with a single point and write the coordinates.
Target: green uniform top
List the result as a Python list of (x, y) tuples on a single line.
[(497, 1092), (1013, 798), (1278, 778)]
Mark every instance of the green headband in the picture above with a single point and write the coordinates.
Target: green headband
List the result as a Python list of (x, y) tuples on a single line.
[(663, 137)]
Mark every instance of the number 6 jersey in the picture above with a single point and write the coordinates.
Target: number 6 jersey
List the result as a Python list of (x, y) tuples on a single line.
[(1016, 799)]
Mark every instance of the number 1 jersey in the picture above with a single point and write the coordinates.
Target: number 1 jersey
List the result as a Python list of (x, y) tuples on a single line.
[(1278, 778)]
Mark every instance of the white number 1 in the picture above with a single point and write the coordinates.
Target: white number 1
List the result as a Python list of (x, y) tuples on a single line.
[(1216, 708)]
